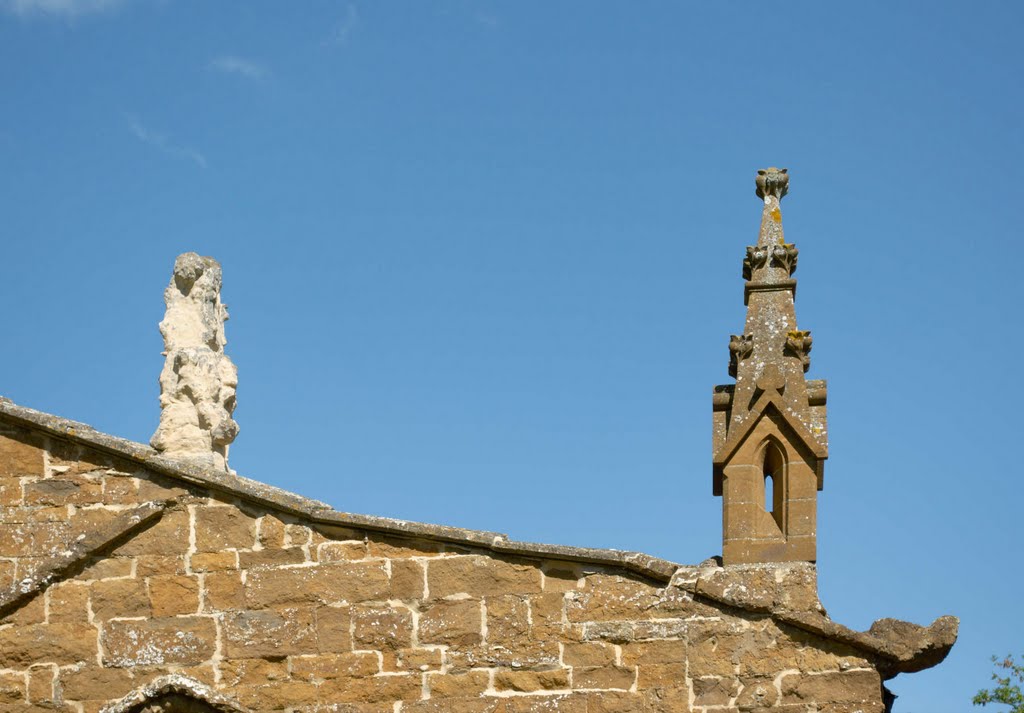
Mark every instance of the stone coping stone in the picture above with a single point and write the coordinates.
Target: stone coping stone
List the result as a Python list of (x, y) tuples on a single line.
[(280, 500), (898, 646)]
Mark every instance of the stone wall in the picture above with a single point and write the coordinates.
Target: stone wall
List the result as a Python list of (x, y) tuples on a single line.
[(279, 612)]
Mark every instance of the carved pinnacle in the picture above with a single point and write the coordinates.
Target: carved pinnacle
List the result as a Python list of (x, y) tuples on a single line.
[(772, 182)]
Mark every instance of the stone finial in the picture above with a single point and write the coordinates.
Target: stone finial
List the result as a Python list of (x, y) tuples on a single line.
[(772, 182), (198, 381)]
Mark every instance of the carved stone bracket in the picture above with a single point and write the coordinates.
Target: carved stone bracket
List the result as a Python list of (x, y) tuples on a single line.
[(757, 256), (784, 255), (798, 344), (741, 346)]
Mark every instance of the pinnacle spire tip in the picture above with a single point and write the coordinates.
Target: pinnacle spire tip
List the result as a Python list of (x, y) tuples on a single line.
[(772, 182)]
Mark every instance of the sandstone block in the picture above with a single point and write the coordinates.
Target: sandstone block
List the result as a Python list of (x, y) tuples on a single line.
[(107, 568), (454, 705), (615, 632), (69, 602), (386, 688), (333, 628), (183, 641), (41, 680), (613, 702), (458, 684), (546, 611), (32, 539), (480, 576), (530, 681), (32, 613), (564, 703), (608, 597), (407, 580), (561, 578), (221, 527), (529, 654), (297, 535), (673, 699), (350, 582), (271, 531), (20, 455), (214, 561), (341, 551), (323, 667), (390, 547), (660, 675), (6, 574), (714, 648), (119, 598), (268, 558), (223, 591), (168, 537), (159, 565), (120, 490), (660, 629), (714, 690), (413, 660), (381, 628), (269, 633), (823, 657), (74, 458), (157, 487), (757, 693), (235, 672), (334, 533), (841, 687), (13, 688), (508, 619), (59, 492), (278, 695), (588, 654), (61, 644), (10, 492), (619, 677), (451, 622), (93, 683), (171, 595)]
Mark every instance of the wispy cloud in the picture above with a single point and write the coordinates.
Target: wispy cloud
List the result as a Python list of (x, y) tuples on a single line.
[(164, 143), (345, 26), (58, 8), (487, 19), (230, 64)]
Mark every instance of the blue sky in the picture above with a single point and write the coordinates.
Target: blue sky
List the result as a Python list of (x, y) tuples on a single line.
[(483, 260)]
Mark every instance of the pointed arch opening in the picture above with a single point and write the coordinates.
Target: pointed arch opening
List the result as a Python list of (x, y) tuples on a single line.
[(774, 471), (174, 693)]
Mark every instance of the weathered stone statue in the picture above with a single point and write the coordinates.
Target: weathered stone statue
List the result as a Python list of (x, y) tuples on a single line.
[(198, 381)]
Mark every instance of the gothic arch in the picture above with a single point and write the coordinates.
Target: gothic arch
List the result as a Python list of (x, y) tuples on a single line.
[(774, 465), (174, 694)]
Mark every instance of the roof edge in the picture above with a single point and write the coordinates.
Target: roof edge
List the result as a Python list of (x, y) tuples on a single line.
[(269, 496), (930, 644)]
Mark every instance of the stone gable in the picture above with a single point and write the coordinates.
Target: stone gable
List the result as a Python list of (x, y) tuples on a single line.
[(145, 580), (119, 572)]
